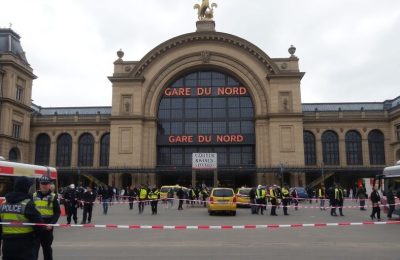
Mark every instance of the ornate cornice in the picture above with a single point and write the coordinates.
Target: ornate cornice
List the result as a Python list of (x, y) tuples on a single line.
[(199, 37)]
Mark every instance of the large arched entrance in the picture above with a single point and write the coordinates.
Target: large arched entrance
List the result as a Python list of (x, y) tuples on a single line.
[(205, 111)]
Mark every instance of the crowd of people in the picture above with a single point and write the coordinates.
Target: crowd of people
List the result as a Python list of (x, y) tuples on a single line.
[(43, 207)]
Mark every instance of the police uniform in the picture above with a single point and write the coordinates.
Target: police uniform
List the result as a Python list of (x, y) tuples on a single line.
[(273, 198), (154, 195), (18, 241), (142, 197), (285, 200), (260, 199), (48, 206)]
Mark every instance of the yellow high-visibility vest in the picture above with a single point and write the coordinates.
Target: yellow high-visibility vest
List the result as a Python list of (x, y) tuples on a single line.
[(44, 205), (143, 194), (285, 193), (15, 213), (154, 195)]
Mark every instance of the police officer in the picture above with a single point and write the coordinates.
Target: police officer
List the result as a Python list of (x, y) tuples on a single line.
[(47, 204), (333, 195), (340, 200), (285, 199), (154, 196), (260, 199), (321, 197), (19, 241), (88, 198), (273, 198), (142, 198), (71, 202)]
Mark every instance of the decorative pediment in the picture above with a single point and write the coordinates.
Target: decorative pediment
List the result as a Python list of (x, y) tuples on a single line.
[(202, 37)]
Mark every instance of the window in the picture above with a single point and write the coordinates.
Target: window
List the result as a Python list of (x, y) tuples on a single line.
[(330, 148), (376, 144), (64, 149), (86, 150), (210, 111), (19, 94), (16, 131), (105, 150), (14, 155), (353, 148), (309, 148), (42, 153), (398, 133)]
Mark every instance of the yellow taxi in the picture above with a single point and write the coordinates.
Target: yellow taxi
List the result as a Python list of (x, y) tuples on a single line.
[(222, 200), (243, 197), (164, 191)]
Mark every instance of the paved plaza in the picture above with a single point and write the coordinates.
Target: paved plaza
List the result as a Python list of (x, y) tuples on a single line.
[(344, 242)]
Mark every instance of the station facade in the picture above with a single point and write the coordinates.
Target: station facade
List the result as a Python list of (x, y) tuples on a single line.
[(205, 91)]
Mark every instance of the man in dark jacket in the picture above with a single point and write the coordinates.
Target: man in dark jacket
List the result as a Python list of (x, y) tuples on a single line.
[(19, 241), (181, 195), (88, 198), (376, 200), (390, 201), (252, 197), (71, 203), (46, 203)]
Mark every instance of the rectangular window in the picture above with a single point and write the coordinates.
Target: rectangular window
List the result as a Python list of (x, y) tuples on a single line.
[(398, 133), (219, 128), (19, 94), (234, 127), (204, 128), (190, 128), (16, 131), (176, 128)]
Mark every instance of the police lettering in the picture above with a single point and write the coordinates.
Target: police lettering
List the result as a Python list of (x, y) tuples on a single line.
[(12, 208)]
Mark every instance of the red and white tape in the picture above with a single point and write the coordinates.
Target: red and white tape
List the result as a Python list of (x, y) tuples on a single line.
[(209, 227)]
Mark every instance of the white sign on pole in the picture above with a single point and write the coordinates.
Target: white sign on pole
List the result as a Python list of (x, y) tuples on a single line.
[(204, 161)]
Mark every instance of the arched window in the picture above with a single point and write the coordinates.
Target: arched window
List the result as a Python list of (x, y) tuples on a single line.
[(14, 155), (353, 148), (376, 144), (64, 149), (330, 148), (42, 153), (86, 150), (105, 150), (309, 148)]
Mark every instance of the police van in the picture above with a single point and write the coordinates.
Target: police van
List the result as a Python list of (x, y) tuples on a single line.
[(10, 170)]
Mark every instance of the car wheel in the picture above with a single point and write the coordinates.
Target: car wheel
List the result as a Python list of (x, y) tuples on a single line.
[(233, 213)]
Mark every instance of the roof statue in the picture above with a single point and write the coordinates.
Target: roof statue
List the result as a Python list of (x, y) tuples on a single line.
[(205, 10)]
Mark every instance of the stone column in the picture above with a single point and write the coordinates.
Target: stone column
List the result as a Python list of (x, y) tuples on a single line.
[(53, 152), (96, 153)]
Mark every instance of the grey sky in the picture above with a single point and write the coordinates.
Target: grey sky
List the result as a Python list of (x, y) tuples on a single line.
[(349, 48)]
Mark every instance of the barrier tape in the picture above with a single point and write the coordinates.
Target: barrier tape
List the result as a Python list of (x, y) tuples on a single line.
[(201, 202), (207, 227)]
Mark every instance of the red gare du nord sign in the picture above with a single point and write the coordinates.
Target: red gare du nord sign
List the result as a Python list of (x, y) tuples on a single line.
[(205, 91)]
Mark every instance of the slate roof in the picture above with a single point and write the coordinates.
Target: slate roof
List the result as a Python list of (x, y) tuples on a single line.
[(9, 42)]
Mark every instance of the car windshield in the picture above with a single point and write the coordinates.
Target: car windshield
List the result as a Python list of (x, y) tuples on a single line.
[(244, 192), (165, 189), (223, 193)]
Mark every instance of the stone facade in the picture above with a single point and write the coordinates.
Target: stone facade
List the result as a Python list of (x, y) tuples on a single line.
[(137, 87)]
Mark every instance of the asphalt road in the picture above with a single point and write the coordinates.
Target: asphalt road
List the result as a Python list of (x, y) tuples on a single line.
[(347, 242)]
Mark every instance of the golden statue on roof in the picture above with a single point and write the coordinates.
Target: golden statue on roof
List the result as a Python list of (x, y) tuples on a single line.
[(205, 10)]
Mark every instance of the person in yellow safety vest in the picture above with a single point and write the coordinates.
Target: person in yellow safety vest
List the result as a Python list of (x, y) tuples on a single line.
[(273, 198), (285, 199), (47, 204), (340, 200), (154, 196), (18, 241), (143, 193), (260, 199), (334, 200), (321, 197)]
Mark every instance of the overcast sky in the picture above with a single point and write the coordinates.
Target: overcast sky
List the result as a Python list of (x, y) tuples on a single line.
[(349, 49)]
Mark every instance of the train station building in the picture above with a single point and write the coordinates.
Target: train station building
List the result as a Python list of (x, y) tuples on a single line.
[(201, 92)]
